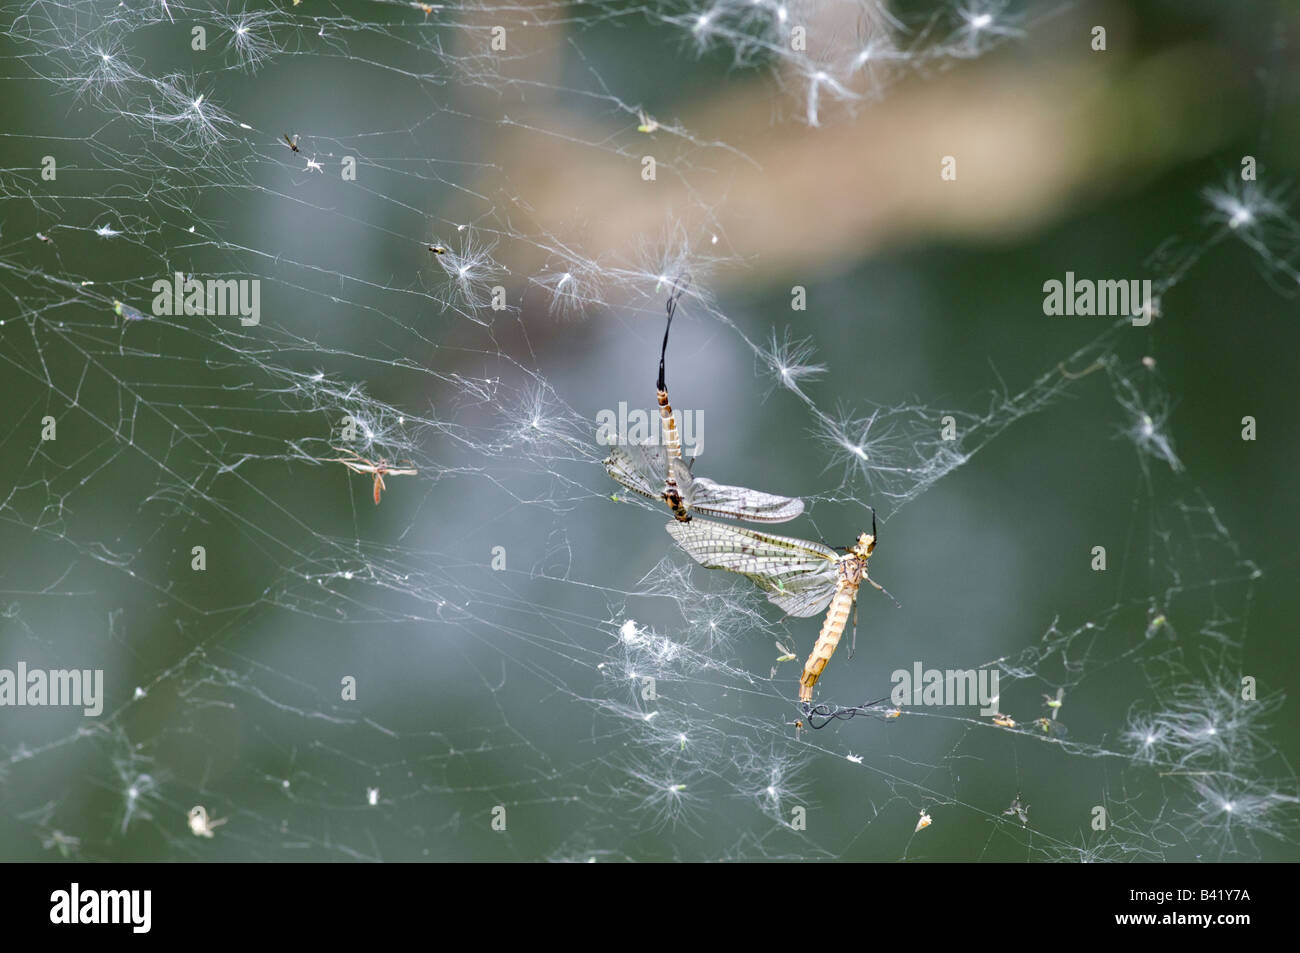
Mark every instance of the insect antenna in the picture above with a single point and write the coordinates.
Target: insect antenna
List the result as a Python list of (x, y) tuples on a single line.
[(679, 288)]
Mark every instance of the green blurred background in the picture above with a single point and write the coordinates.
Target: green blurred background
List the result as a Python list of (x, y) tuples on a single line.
[(486, 684)]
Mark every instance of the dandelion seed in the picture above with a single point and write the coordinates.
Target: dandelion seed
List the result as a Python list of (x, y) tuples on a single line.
[(790, 360)]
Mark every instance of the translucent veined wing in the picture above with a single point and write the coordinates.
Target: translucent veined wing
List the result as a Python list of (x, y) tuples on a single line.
[(738, 502), (798, 575), (810, 600), (702, 495), (640, 468), (643, 468)]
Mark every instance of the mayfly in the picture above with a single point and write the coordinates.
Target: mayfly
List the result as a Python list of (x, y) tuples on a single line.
[(799, 576), (659, 472)]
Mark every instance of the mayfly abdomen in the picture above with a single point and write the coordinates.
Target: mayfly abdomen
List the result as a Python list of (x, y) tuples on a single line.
[(672, 439), (837, 617)]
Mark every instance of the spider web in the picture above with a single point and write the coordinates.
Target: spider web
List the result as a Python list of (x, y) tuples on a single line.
[(539, 675)]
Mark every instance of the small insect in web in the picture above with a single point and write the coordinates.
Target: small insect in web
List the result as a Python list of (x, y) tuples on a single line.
[(359, 464), (126, 312), (45, 238), (925, 821), (799, 576), (1018, 809), (67, 844), (200, 824), (437, 249), (291, 143), (1004, 721), (660, 472), (1050, 728), (785, 656), (648, 123), (1054, 702)]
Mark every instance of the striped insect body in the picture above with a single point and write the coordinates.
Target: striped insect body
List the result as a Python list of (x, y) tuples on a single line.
[(801, 577)]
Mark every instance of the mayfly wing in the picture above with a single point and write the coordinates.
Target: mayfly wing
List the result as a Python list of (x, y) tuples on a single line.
[(738, 502), (731, 502), (796, 574), (806, 601), (640, 468)]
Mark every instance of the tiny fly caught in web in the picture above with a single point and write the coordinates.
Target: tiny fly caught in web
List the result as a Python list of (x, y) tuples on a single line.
[(659, 472), (380, 468), (799, 576)]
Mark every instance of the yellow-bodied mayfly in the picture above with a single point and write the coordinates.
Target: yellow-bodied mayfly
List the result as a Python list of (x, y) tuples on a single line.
[(659, 471), (799, 576)]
